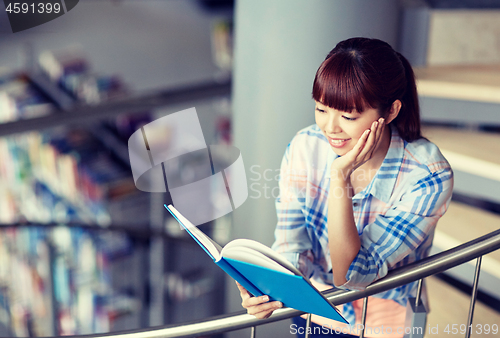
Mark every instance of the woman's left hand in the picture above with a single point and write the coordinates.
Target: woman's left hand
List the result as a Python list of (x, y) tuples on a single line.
[(361, 153)]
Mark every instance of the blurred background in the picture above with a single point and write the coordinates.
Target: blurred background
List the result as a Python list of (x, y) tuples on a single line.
[(83, 251)]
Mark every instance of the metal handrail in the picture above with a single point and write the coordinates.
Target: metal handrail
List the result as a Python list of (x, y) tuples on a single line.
[(401, 276)]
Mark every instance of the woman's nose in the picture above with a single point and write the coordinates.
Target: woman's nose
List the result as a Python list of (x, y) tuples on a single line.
[(333, 126)]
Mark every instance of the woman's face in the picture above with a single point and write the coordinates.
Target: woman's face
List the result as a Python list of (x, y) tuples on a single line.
[(343, 129)]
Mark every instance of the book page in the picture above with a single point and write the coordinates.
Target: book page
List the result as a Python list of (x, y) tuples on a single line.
[(264, 250), (211, 248), (251, 256)]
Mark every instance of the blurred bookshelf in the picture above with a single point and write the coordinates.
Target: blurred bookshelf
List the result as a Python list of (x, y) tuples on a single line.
[(81, 249)]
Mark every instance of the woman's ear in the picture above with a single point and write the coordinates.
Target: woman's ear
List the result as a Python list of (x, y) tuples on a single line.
[(393, 113)]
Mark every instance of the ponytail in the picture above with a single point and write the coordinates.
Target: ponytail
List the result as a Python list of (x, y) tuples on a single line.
[(408, 120)]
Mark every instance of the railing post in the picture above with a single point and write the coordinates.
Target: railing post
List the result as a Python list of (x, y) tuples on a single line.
[(363, 317), (252, 331), (308, 324), (419, 292), (416, 315), (473, 296)]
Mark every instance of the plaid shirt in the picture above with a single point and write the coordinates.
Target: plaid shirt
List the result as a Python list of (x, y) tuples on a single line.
[(395, 214)]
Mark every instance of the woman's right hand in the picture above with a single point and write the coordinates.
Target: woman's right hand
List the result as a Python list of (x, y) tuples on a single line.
[(260, 307)]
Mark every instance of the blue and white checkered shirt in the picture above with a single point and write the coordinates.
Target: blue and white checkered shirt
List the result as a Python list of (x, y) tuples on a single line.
[(395, 215)]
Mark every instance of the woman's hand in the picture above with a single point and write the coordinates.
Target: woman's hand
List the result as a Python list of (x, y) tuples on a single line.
[(343, 237), (361, 153), (259, 307)]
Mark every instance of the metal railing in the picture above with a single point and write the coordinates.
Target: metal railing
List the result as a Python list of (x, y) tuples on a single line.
[(474, 249)]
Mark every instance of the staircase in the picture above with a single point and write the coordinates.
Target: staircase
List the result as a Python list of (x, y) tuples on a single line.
[(459, 103)]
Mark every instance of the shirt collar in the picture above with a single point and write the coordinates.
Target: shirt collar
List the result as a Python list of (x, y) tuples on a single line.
[(382, 185)]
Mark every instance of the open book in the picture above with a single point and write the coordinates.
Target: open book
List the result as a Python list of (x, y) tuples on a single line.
[(263, 271)]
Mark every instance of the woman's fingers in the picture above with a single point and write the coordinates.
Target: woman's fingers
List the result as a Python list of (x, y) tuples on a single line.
[(253, 301), (243, 292), (378, 132), (260, 307), (362, 141), (264, 310), (368, 145), (363, 150), (358, 148)]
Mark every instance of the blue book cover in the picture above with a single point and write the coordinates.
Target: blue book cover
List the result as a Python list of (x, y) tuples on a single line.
[(262, 272)]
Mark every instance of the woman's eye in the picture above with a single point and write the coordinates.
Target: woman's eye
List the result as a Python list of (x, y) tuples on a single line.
[(349, 118), (320, 110)]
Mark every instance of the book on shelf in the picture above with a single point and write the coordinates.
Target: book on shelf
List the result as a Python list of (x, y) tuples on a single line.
[(262, 271)]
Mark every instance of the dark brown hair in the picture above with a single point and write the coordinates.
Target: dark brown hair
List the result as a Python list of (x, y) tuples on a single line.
[(360, 73)]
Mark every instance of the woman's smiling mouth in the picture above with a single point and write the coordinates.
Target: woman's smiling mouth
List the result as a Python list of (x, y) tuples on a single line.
[(338, 142)]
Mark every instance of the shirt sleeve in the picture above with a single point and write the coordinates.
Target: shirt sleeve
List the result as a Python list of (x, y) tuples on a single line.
[(405, 226), (291, 237)]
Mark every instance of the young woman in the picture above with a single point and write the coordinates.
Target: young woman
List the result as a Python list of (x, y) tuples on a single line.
[(360, 191)]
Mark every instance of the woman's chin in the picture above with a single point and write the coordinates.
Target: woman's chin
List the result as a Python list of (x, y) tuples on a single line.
[(341, 151)]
